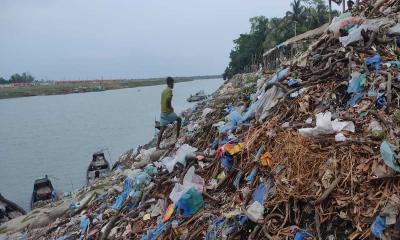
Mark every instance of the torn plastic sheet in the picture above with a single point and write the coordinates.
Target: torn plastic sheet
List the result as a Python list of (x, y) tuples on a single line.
[(190, 180), (388, 155), (378, 226), (324, 125), (267, 101), (180, 157), (355, 32)]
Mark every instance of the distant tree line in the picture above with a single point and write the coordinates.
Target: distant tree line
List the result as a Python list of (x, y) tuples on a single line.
[(266, 33), (18, 78)]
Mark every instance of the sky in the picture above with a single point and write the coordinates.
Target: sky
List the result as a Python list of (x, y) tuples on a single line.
[(114, 39)]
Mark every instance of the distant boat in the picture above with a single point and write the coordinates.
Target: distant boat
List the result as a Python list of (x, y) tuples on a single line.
[(9, 210), (98, 167), (43, 192), (199, 96), (99, 88)]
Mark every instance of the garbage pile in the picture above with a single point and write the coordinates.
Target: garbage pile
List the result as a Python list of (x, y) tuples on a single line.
[(309, 152)]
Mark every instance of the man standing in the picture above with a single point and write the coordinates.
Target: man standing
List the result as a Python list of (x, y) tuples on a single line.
[(168, 115)]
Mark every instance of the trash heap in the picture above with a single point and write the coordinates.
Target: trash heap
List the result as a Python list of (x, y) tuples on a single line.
[(308, 152)]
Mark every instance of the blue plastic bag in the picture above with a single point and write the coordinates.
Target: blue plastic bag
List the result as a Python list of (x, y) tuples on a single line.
[(154, 233), (380, 101), (355, 98), (374, 62), (301, 234), (259, 193), (250, 178), (235, 118), (120, 200), (250, 111), (378, 226), (84, 224), (387, 154), (190, 202), (214, 228), (229, 108), (355, 84), (242, 219), (226, 161), (293, 83), (280, 75)]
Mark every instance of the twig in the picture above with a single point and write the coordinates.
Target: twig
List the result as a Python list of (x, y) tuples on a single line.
[(327, 192)]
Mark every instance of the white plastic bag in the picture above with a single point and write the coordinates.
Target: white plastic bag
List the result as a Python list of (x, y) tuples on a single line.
[(355, 33), (255, 212), (181, 153), (395, 29), (340, 137), (206, 111), (267, 101), (177, 192), (192, 179), (324, 125), (169, 163)]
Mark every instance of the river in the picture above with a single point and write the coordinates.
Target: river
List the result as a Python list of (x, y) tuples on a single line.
[(57, 135)]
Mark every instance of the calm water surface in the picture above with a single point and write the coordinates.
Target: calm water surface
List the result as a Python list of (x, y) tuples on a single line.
[(56, 135)]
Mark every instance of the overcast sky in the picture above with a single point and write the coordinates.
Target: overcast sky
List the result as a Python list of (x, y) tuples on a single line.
[(93, 39)]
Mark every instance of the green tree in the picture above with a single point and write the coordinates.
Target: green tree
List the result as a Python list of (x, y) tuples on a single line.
[(23, 78), (297, 11), (265, 33), (248, 48), (3, 81)]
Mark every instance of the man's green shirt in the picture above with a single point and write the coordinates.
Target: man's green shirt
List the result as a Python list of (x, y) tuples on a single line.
[(166, 96)]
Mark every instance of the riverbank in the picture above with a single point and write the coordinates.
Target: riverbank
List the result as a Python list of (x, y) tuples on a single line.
[(302, 153), (90, 86)]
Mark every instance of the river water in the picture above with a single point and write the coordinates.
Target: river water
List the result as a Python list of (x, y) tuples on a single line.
[(57, 135)]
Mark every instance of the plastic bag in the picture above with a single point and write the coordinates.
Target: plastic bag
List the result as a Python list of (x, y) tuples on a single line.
[(232, 149), (344, 22), (234, 118), (190, 202), (226, 161), (142, 180), (84, 224), (184, 151), (340, 137), (180, 157), (154, 233), (378, 226), (279, 75), (268, 100), (324, 125), (374, 61), (255, 212), (387, 154), (206, 111), (354, 34), (355, 83), (158, 209), (301, 234), (259, 193), (191, 179), (395, 30), (250, 112)]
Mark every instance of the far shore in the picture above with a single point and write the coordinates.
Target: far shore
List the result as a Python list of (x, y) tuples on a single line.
[(89, 86)]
